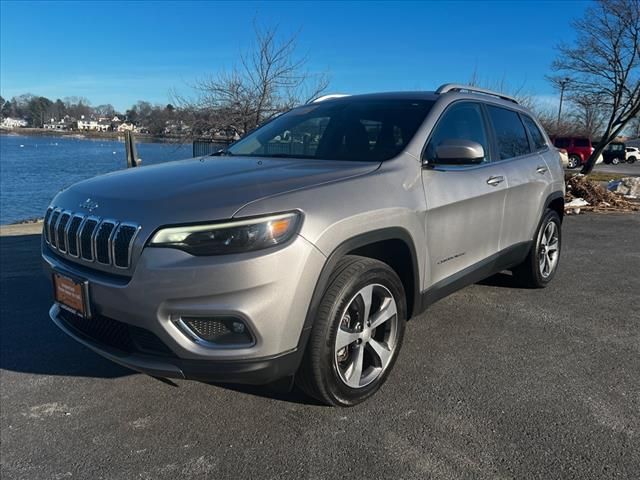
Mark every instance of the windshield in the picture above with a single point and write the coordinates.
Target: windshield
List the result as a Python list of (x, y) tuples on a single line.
[(361, 130)]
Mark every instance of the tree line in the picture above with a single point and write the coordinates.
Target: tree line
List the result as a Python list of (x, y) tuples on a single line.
[(37, 110)]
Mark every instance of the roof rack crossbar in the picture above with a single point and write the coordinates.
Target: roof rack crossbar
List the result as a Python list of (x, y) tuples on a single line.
[(454, 87)]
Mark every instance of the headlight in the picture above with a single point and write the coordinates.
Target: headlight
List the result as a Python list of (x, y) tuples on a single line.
[(229, 237)]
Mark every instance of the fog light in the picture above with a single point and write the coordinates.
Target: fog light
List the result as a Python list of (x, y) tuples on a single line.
[(212, 331), (238, 327)]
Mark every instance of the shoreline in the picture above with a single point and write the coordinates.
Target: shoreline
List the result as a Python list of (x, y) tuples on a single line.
[(42, 132)]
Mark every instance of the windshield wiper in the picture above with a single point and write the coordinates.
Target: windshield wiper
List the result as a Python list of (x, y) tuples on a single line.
[(221, 153)]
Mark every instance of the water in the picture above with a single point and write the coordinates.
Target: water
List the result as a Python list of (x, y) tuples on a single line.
[(33, 168)]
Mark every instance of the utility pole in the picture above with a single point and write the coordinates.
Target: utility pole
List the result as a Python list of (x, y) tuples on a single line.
[(563, 83)]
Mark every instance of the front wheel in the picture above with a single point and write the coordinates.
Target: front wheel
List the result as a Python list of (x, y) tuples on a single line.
[(541, 264), (631, 159), (616, 161), (357, 333)]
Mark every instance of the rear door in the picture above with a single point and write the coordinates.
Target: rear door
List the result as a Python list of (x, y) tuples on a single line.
[(527, 173), (464, 203)]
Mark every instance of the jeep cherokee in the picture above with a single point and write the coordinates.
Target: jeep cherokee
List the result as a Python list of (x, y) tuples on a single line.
[(301, 250)]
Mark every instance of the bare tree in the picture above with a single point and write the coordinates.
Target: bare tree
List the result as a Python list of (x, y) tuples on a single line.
[(268, 80), (588, 115), (604, 64)]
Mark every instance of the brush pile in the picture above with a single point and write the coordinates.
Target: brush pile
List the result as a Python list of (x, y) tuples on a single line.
[(585, 195)]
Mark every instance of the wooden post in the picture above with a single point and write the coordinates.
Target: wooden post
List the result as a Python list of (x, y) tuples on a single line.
[(130, 148)]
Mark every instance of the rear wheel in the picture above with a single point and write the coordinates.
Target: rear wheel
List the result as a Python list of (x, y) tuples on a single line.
[(631, 159), (541, 264), (574, 161), (357, 333), (615, 161)]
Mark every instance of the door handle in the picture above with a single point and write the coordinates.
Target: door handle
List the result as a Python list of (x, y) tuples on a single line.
[(541, 170), (495, 181)]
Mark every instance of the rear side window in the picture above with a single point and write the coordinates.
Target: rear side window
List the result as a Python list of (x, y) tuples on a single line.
[(562, 142), (582, 142), (510, 132), (534, 131)]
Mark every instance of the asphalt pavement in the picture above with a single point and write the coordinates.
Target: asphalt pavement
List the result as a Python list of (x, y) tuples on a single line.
[(492, 382), (631, 169)]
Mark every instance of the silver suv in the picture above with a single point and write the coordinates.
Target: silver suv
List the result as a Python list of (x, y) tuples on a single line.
[(302, 249)]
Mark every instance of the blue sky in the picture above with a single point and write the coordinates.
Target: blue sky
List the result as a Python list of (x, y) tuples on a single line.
[(121, 52)]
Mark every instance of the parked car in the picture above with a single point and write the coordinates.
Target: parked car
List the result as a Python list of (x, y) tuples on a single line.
[(614, 153), (578, 148), (632, 154), (564, 157), (261, 263)]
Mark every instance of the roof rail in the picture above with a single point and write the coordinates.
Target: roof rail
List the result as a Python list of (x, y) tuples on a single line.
[(454, 87), (328, 97)]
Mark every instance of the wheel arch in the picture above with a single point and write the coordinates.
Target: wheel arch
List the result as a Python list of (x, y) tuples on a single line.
[(392, 245), (555, 201)]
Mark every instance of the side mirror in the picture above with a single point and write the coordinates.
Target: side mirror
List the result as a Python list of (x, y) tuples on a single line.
[(458, 152)]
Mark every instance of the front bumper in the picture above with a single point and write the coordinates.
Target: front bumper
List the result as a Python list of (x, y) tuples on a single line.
[(254, 371), (270, 290)]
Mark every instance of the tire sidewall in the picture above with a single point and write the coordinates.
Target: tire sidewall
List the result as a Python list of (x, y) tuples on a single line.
[(340, 392)]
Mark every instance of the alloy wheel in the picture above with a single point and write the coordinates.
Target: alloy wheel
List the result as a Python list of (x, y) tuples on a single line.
[(367, 336), (549, 249)]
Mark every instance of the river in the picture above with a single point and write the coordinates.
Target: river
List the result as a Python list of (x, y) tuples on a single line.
[(34, 168)]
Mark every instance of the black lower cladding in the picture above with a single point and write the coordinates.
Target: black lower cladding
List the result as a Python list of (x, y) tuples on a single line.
[(118, 335)]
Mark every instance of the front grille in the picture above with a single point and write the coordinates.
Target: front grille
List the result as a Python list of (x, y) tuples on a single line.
[(121, 336), (90, 238)]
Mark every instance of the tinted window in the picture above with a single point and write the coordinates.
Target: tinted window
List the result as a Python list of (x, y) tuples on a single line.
[(463, 121), (562, 142), (534, 131), (348, 129), (510, 133), (582, 142)]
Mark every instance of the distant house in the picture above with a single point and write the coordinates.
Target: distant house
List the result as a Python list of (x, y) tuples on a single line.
[(125, 126), (91, 124), (13, 122), (65, 123)]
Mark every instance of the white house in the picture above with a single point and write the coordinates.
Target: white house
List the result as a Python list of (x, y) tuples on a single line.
[(64, 124), (125, 126), (93, 124), (13, 122)]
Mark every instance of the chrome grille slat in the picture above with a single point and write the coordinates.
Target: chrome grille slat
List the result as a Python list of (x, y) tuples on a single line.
[(52, 227), (61, 229), (90, 239), (46, 223)]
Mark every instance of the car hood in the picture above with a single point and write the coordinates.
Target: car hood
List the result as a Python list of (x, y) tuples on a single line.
[(199, 189)]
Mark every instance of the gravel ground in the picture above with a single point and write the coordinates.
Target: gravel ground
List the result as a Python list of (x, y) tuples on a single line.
[(492, 382)]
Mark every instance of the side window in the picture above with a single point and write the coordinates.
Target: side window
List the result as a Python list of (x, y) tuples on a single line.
[(462, 121), (510, 133), (534, 131)]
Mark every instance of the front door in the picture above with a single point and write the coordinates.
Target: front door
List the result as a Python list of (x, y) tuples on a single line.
[(465, 204)]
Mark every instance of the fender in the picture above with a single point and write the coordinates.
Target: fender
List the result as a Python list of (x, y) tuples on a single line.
[(391, 233)]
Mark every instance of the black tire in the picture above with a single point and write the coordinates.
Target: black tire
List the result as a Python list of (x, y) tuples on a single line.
[(615, 161), (529, 273), (631, 160), (574, 161), (319, 375)]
